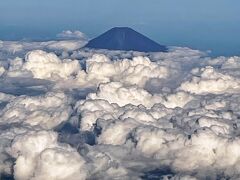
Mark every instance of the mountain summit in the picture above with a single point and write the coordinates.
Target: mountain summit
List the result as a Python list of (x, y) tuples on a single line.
[(126, 39)]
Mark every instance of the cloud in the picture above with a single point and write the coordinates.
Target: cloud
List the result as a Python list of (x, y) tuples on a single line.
[(208, 80), (101, 114), (46, 111), (47, 65), (2, 70), (67, 41), (39, 156), (72, 35)]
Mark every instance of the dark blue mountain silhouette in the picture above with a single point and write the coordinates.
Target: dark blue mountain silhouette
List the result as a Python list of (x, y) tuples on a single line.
[(126, 39)]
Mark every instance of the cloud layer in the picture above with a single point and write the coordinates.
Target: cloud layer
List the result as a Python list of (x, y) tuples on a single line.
[(97, 114)]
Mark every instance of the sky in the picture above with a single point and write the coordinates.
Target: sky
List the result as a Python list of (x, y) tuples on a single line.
[(206, 25)]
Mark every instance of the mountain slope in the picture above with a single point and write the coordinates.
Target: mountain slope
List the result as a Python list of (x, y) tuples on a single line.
[(124, 38)]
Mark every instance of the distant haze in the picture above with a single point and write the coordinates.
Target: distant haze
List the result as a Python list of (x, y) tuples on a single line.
[(205, 25)]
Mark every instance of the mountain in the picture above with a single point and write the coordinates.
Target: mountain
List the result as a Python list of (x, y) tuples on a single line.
[(126, 39)]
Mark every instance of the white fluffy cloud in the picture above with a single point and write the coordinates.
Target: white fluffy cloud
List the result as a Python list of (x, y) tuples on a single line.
[(171, 115), (211, 81), (43, 65), (115, 92), (47, 65), (46, 111), (135, 71), (39, 157), (72, 35)]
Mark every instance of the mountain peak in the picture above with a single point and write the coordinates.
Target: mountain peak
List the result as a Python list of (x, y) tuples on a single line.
[(121, 28), (126, 39)]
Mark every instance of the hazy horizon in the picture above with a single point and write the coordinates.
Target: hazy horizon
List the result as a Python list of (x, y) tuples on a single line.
[(201, 25)]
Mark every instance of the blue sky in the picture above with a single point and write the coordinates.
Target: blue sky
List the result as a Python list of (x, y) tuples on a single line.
[(206, 24)]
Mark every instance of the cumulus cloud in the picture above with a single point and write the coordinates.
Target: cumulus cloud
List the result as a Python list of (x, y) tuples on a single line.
[(42, 65), (208, 80), (66, 42), (135, 71), (118, 115), (39, 156), (72, 35), (47, 65), (115, 92), (46, 111)]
